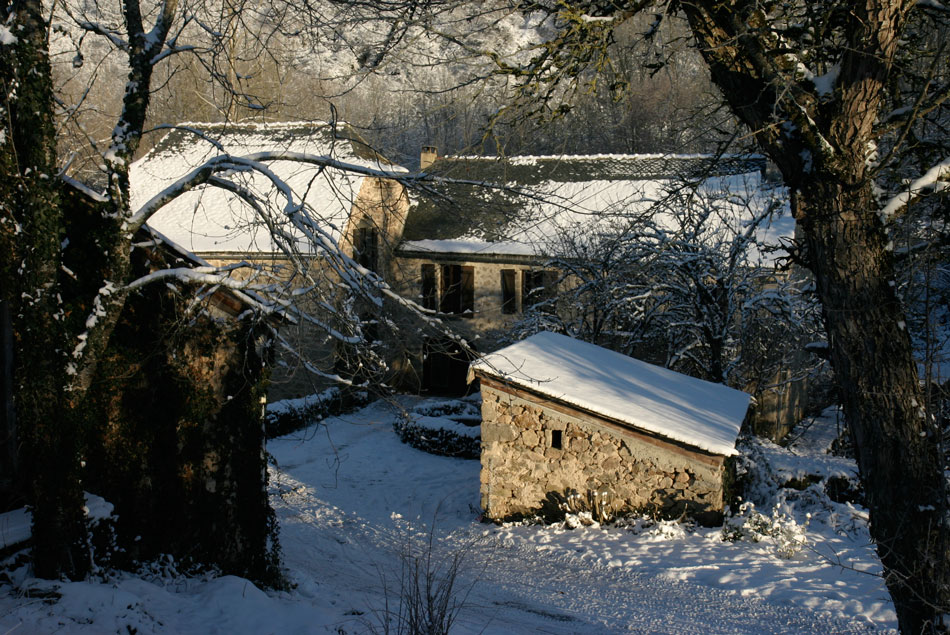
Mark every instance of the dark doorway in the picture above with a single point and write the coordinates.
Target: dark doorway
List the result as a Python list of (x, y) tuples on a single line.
[(445, 367)]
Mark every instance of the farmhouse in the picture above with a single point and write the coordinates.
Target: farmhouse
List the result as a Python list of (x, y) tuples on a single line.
[(255, 226), (477, 256), (560, 415), (482, 256)]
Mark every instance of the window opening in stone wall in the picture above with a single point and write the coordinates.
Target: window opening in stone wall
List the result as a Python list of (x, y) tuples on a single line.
[(366, 248), (508, 291), (458, 290), (428, 287), (556, 439)]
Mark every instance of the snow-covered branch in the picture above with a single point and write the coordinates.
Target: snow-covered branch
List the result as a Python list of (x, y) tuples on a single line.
[(110, 34), (933, 179), (202, 275)]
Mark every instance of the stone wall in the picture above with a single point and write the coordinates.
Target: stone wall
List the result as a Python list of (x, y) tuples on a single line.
[(488, 319), (176, 436), (381, 203), (486, 330), (779, 409), (289, 378), (521, 468)]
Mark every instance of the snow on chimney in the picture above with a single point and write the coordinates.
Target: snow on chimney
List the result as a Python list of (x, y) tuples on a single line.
[(428, 156)]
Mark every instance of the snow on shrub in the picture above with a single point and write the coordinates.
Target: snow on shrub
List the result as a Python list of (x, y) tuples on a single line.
[(780, 529), (465, 410), (289, 415), (574, 509), (446, 428), (795, 486)]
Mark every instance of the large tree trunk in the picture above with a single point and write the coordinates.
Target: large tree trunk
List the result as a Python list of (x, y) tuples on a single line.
[(64, 268), (30, 282), (876, 376)]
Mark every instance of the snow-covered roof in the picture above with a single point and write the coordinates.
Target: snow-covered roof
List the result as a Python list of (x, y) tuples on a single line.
[(546, 198), (211, 219), (698, 413)]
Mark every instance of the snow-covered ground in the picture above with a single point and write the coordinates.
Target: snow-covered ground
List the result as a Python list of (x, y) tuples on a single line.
[(355, 505)]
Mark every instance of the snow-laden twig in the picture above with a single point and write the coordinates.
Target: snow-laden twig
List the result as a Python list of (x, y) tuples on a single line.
[(932, 179)]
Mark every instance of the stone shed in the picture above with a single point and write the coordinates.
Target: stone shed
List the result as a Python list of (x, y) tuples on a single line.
[(560, 416)]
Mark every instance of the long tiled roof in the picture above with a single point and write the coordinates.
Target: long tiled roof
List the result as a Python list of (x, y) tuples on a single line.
[(521, 205)]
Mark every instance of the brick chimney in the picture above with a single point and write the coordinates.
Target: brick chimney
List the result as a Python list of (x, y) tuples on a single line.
[(427, 157)]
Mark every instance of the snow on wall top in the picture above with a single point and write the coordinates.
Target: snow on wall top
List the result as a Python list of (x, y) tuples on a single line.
[(211, 219), (548, 198), (675, 406)]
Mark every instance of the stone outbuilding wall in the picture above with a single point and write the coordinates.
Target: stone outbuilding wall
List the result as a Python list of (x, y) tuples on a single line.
[(174, 428), (535, 450)]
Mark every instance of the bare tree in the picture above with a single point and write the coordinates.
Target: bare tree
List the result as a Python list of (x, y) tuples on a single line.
[(691, 281)]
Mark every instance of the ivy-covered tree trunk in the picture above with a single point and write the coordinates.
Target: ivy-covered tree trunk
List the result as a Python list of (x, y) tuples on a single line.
[(177, 435), (32, 227), (65, 271)]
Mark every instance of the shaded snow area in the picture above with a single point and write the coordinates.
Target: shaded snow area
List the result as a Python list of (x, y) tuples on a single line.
[(360, 511), (15, 526)]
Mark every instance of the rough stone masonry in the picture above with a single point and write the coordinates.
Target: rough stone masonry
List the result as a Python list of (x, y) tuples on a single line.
[(532, 447)]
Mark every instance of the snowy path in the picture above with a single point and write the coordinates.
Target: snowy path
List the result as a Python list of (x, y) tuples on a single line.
[(350, 503), (337, 494)]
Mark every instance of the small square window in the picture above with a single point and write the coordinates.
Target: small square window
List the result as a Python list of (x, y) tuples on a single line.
[(556, 440)]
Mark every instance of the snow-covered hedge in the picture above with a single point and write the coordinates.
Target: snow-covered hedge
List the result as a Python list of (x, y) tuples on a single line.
[(289, 415), (447, 428)]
